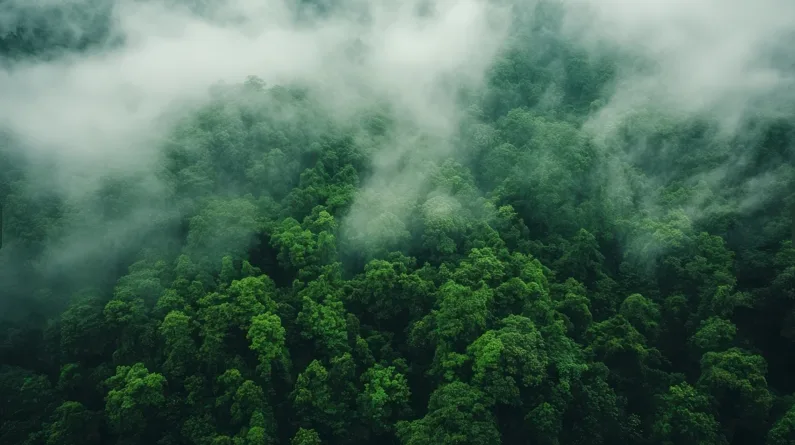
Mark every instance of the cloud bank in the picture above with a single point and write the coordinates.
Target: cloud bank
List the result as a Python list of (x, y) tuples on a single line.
[(718, 57), (103, 108), (85, 117)]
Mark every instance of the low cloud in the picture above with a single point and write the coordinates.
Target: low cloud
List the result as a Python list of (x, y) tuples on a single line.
[(710, 56), (82, 117)]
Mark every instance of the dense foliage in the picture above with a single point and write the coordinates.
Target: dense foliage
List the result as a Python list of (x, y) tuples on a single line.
[(538, 286)]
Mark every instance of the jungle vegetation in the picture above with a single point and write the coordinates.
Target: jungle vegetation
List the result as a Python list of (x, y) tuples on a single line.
[(540, 285)]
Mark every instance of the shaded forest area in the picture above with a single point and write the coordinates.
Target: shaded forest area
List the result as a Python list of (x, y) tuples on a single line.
[(542, 286)]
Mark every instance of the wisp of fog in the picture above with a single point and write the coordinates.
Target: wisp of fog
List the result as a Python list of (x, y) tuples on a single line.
[(107, 109)]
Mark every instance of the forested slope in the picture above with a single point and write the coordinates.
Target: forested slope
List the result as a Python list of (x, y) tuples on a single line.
[(536, 282)]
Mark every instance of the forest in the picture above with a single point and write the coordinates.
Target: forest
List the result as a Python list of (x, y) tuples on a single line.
[(536, 261)]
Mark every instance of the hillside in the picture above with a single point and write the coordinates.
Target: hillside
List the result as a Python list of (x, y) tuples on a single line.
[(485, 223)]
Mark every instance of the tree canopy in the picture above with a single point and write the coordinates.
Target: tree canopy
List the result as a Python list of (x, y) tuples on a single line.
[(535, 285)]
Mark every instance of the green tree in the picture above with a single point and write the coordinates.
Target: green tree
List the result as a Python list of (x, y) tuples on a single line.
[(685, 417), (267, 337), (783, 431), (305, 437), (385, 397), (73, 424), (177, 332), (736, 378), (457, 414), (135, 396), (509, 360)]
